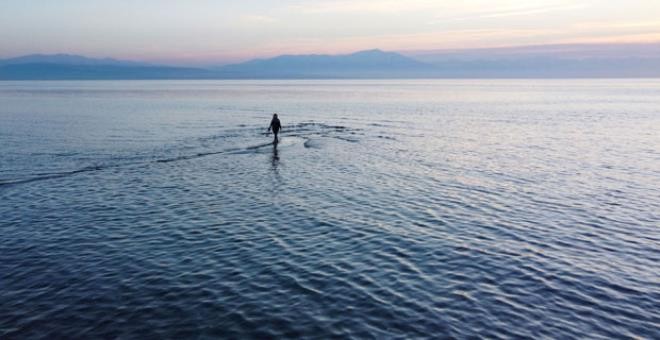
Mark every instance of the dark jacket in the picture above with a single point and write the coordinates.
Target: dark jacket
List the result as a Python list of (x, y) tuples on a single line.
[(275, 125)]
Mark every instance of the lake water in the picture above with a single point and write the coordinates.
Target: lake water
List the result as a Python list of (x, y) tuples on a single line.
[(390, 209)]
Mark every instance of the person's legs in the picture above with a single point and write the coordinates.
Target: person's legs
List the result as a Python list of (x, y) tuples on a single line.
[(275, 140)]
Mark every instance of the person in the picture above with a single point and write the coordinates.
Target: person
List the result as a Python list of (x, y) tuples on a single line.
[(275, 126)]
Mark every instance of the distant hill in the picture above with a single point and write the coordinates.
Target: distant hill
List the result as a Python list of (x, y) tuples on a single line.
[(45, 71), (75, 67), (640, 60), (67, 59), (364, 64)]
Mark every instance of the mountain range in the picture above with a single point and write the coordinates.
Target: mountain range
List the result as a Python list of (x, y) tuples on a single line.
[(66, 59), (529, 62), (635, 60), (75, 67), (364, 64)]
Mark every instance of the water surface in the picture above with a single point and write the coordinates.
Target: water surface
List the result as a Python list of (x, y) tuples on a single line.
[(390, 209)]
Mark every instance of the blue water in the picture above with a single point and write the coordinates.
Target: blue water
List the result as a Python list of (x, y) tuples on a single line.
[(390, 209)]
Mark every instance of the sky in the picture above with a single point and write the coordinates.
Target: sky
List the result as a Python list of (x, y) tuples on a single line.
[(206, 32)]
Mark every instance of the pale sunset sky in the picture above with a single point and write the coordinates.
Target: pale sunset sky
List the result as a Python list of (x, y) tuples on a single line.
[(207, 31)]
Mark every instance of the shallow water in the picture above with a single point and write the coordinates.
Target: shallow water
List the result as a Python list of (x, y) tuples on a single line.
[(450, 208)]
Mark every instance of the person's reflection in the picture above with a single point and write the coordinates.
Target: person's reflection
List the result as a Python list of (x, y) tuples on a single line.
[(275, 173), (275, 158)]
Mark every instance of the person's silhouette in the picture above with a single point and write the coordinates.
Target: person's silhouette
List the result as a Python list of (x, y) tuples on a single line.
[(275, 126)]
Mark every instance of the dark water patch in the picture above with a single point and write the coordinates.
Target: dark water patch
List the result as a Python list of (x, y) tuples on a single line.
[(347, 139), (41, 177)]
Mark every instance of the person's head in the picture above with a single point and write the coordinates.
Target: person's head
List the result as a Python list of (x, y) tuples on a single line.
[(274, 115)]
